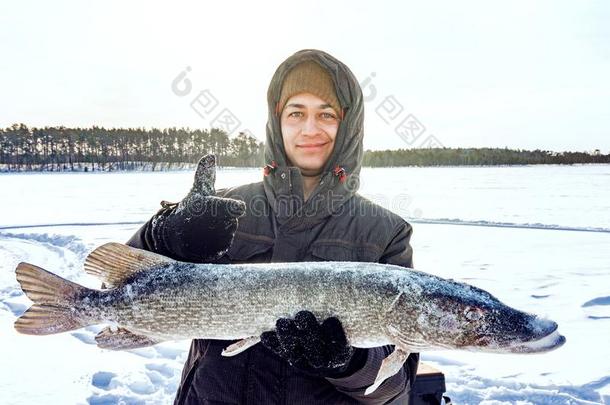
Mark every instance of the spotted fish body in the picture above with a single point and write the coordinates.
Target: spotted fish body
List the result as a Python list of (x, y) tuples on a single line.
[(184, 301), (154, 298)]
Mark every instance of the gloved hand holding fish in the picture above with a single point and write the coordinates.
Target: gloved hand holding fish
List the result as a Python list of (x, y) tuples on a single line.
[(153, 298), (317, 349)]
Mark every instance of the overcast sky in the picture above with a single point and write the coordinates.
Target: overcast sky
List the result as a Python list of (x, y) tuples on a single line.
[(470, 74)]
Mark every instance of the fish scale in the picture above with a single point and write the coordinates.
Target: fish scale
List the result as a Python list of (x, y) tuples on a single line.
[(221, 301)]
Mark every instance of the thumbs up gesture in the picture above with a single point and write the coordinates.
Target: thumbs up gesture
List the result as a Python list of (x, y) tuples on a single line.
[(201, 227)]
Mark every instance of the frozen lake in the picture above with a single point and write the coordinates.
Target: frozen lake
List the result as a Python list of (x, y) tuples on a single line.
[(537, 237)]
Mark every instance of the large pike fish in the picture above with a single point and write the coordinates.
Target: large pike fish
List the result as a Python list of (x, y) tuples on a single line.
[(154, 299)]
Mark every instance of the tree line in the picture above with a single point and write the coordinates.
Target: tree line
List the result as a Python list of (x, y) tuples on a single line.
[(90, 149), (96, 148), (478, 157)]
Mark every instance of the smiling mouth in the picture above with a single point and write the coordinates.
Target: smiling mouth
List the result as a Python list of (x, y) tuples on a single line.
[(312, 145)]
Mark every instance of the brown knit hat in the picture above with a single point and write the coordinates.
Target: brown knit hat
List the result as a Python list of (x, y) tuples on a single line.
[(309, 77)]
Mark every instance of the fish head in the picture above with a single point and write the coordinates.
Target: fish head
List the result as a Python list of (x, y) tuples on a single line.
[(453, 315)]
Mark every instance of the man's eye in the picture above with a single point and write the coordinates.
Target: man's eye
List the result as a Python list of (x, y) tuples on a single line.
[(328, 116)]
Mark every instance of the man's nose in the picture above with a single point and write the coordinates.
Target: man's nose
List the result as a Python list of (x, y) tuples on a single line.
[(310, 126)]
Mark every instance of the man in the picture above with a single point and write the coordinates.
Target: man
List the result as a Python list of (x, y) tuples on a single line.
[(305, 209)]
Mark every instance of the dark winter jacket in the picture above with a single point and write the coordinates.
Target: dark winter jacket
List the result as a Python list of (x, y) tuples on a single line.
[(334, 224)]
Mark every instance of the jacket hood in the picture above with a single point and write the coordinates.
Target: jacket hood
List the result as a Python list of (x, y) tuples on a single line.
[(283, 184)]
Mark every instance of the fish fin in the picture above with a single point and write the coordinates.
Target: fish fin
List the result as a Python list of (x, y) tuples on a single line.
[(122, 339), (44, 287), (114, 262), (389, 366), (240, 346), (54, 298), (41, 319)]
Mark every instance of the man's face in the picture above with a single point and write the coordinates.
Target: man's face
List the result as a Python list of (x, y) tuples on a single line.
[(309, 127)]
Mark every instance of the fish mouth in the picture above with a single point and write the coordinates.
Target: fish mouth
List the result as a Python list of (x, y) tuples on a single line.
[(542, 336), (548, 338), (550, 342)]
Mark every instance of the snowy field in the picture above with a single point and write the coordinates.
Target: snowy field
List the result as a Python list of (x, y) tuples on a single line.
[(537, 237)]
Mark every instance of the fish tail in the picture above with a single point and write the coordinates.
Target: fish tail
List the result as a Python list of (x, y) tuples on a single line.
[(54, 302)]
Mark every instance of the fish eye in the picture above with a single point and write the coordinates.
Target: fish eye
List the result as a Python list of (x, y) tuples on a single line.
[(473, 314)]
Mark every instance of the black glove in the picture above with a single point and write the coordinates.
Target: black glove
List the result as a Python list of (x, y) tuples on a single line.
[(201, 227), (320, 350)]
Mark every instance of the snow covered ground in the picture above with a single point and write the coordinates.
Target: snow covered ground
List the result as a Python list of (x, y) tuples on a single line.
[(537, 237)]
